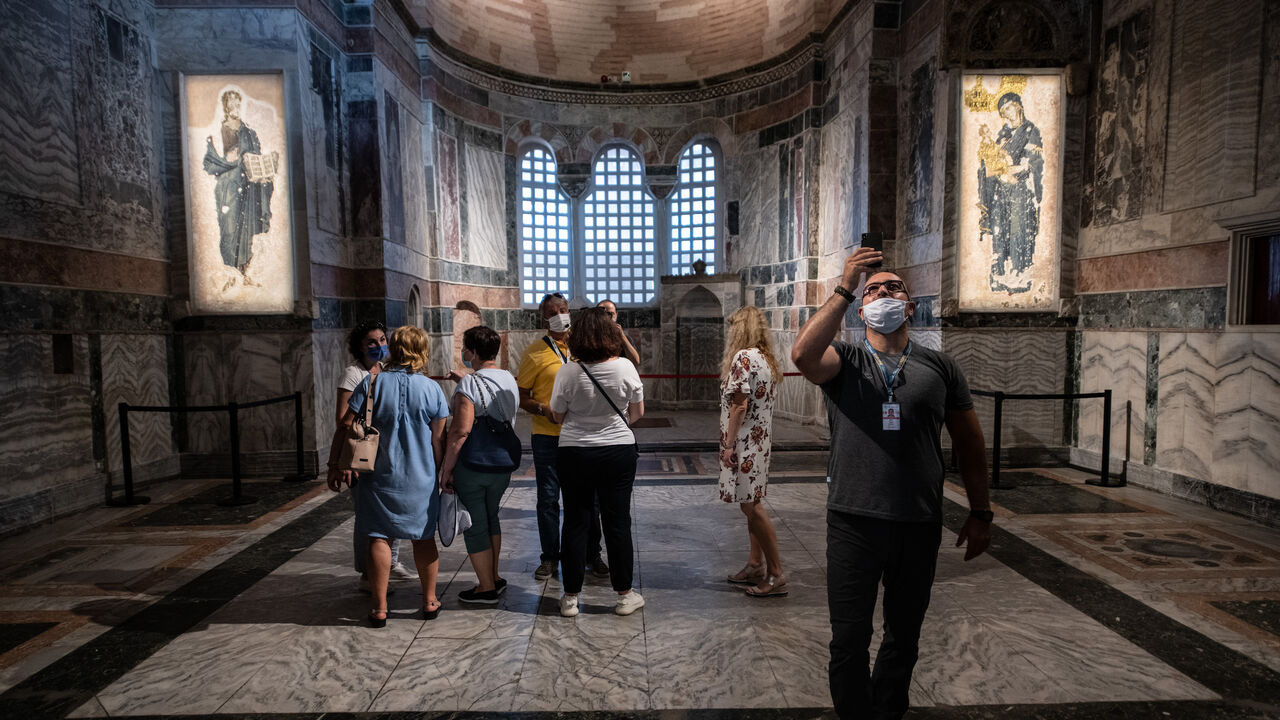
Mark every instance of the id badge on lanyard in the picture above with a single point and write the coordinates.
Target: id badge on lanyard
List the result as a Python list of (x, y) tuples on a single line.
[(890, 411)]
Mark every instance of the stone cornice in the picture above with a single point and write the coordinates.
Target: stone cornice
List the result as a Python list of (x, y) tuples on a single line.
[(495, 79)]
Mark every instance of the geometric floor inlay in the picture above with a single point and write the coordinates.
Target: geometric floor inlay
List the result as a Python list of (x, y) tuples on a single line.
[(1168, 552), (1263, 614), (14, 634)]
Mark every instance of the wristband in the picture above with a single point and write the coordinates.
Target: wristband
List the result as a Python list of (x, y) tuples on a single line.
[(985, 516), (839, 290)]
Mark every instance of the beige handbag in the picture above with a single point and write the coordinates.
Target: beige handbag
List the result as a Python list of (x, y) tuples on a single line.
[(360, 450)]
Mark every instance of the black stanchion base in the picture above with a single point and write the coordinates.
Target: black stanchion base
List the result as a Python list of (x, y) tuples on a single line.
[(1111, 482), (299, 478), (121, 502), (234, 501)]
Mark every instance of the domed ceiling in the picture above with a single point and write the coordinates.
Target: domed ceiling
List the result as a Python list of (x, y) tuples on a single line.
[(658, 41)]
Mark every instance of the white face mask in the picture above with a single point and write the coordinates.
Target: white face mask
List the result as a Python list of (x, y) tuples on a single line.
[(558, 323), (885, 315)]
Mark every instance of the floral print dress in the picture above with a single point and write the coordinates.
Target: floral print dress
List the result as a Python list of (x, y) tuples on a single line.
[(745, 480)]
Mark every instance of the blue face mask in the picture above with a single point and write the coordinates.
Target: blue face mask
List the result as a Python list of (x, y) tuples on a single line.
[(377, 354), (466, 363)]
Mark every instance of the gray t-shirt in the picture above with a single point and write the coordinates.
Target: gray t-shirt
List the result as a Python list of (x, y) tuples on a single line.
[(890, 474)]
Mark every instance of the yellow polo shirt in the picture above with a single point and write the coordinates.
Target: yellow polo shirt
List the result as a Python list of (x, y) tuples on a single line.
[(537, 374)]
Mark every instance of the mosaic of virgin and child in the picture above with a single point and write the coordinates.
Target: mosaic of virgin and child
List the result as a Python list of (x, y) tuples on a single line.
[(242, 190), (1011, 189)]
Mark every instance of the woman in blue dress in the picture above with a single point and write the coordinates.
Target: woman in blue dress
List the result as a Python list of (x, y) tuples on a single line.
[(398, 499)]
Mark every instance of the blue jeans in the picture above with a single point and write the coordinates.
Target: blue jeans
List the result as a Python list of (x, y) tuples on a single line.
[(545, 448)]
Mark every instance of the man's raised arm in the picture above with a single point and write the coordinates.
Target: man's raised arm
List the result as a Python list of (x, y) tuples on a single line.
[(812, 353)]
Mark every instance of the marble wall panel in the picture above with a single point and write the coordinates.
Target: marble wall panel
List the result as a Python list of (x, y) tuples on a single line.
[(135, 370), (328, 199), (841, 218), (219, 368), (1013, 361), (1246, 408), (486, 241), (1120, 145), (1188, 375), (1233, 454), (447, 197), (757, 242), (38, 119), (1115, 361), (417, 217), (37, 402), (330, 359), (917, 188), (1264, 426), (394, 168), (1213, 104)]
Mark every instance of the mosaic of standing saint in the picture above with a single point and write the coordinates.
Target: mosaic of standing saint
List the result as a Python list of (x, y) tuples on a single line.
[(240, 239), (242, 195), (1010, 209)]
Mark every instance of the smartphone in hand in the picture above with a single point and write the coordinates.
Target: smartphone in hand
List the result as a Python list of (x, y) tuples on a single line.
[(875, 241)]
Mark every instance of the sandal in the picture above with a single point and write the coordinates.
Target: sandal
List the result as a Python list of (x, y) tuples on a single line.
[(375, 621), (748, 576), (772, 587), (430, 613)]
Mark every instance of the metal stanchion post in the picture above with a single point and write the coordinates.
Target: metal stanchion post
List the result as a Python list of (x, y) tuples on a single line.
[(237, 497), (126, 461), (299, 475), (995, 446)]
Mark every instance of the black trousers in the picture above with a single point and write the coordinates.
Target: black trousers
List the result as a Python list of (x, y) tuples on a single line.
[(587, 474), (862, 552)]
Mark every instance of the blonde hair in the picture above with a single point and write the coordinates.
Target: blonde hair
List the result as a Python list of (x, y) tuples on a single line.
[(409, 348), (748, 329)]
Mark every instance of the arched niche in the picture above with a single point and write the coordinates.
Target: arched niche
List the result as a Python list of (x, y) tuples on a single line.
[(694, 311)]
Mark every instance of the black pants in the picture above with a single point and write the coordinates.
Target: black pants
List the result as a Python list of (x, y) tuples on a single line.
[(588, 473), (861, 552)]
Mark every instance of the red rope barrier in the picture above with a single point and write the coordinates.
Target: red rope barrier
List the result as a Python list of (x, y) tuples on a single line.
[(661, 376)]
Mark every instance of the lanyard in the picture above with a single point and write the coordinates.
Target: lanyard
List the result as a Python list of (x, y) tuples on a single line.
[(555, 349), (889, 380)]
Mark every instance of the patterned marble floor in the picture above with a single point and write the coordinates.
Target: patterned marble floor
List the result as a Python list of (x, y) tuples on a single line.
[(1093, 602)]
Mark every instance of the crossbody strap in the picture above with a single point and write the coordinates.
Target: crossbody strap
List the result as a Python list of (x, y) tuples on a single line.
[(612, 404), (368, 401), (484, 404)]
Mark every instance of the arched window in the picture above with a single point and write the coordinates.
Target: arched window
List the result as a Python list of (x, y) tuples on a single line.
[(692, 231), (545, 254), (619, 249)]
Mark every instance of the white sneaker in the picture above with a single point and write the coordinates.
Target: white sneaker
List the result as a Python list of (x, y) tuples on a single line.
[(568, 605), (401, 573), (629, 603)]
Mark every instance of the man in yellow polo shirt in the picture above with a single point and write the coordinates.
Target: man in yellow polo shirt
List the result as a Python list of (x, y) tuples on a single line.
[(536, 377)]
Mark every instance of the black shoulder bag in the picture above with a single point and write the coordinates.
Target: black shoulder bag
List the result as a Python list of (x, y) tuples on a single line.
[(492, 446)]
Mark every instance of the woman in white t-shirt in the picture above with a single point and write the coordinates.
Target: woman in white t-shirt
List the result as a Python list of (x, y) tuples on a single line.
[(487, 390), (367, 343), (597, 453)]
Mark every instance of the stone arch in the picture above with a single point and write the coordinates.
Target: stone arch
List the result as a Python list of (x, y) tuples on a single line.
[(518, 133), (638, 138), (708, 127), (1010, 33)]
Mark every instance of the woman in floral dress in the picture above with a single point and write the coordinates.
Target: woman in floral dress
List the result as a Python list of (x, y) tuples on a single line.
[(750, 373)]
